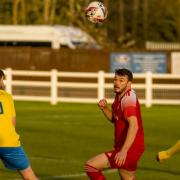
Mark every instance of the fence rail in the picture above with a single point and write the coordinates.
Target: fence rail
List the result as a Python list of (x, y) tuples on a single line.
[(56, 88)]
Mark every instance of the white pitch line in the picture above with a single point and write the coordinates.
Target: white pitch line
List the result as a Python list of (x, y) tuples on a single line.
[(73, 175), (65, 175), (70, 175)]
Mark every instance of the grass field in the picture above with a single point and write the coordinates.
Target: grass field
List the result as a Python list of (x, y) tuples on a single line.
[(59, 139)]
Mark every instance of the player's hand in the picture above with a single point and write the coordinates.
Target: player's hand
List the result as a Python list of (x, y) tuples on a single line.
[(120, 157), (102, 104)]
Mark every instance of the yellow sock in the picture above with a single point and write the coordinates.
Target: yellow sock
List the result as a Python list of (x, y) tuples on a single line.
[(174, 149), (163, 155)]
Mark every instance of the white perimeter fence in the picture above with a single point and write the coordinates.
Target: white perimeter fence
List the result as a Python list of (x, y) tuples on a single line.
[(54, 86)]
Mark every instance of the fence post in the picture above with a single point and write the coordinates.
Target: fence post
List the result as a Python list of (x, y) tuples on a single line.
[(148, 94), (101, 87), (8, 86), (54, 87), (55, 44)]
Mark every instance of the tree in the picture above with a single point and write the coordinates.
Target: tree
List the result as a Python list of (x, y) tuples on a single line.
[(162, 22), (121, 17), (53, 11), (19, 13), (129, 23), (145, 20), (47, 5), (135, 17)]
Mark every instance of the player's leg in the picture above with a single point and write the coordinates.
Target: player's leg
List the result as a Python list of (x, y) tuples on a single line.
[(15, 159), (94, 166), (127, 175), (128, 169), (28, 174), (164, 155)]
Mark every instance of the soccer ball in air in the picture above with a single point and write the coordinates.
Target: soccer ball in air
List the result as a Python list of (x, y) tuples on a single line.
[(96, 12)]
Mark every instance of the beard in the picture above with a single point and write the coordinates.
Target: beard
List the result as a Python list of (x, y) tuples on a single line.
[(119, 90)]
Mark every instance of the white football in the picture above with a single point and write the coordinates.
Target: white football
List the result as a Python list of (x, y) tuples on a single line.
[(96, 12)]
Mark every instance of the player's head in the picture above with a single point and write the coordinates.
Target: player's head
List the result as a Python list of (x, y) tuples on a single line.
[(122, 80), (124, 72), (2, 76)]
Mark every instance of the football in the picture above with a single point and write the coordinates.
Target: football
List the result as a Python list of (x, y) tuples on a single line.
[(96, 12)]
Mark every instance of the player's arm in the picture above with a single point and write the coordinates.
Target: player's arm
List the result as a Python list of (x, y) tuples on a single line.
[(104, 107), (131, 134)]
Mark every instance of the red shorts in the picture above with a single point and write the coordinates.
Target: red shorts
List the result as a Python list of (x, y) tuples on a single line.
[(130, 162)]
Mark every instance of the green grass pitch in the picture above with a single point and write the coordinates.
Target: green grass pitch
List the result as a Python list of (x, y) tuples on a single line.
[(59, 139)]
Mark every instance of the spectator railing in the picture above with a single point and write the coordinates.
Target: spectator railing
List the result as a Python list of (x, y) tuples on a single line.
[(52, 83)]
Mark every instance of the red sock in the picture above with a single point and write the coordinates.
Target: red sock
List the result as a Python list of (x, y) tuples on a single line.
[(94, 173)]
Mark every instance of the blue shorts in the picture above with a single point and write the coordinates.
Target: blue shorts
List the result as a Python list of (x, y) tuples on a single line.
[(14, 158)]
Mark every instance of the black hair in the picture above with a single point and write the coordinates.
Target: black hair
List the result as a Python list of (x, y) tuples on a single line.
[(1, 74), (125, 72)]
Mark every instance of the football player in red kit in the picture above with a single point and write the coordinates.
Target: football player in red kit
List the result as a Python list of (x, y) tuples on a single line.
[(128, 136)]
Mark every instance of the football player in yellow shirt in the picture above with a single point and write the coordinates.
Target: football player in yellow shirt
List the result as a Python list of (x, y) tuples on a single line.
[(11, 151), (164, 155)]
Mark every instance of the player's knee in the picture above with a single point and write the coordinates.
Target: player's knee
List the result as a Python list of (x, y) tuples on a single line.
[(90, 162), (88, 168), (94, 173), (28, 174), (127, 178), (126, 175), (29, 177)]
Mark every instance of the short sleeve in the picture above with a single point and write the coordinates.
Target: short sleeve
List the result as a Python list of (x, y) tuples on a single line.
[(129, 105)]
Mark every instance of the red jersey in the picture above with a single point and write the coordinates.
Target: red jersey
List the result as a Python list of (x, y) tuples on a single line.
[(122, 108)]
